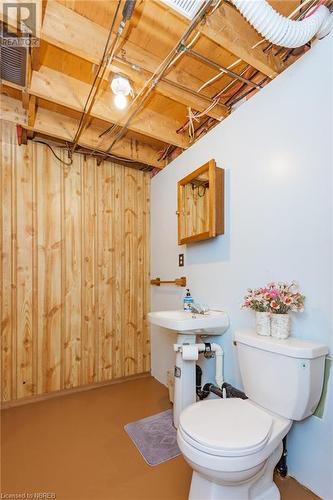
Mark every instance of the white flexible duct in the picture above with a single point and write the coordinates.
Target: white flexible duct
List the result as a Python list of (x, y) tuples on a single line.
[(280, 30)]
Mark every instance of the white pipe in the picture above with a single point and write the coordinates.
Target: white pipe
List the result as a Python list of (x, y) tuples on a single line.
[(217, 349), (194, 354), (280, 30)]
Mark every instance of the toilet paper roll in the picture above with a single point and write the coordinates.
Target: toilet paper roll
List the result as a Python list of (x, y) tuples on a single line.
[(190, 352)]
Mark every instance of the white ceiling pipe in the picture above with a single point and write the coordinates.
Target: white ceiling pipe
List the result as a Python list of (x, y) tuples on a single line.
[(280, 30)]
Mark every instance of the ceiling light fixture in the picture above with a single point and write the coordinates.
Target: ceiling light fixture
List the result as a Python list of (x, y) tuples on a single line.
[(121, 87), (120, 101)]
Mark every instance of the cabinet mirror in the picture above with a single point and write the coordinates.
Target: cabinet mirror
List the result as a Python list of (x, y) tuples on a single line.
[(201, 204)]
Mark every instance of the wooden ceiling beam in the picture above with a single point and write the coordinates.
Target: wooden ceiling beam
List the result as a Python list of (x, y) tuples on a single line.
[(228, 28), (31, 111), (177, 85), (62, 127), (70, 31), (12, 110), (67, 91), (29, 104)]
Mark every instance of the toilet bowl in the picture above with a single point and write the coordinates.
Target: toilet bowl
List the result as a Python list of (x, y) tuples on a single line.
[(233, 445)]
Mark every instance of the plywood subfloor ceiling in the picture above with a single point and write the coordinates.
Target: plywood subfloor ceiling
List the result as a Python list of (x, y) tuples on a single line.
[(72, 36)]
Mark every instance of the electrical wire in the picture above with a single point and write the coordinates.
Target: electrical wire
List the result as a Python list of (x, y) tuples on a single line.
[(238, 61), (164, 153), (152, 82), (219, 75), (299, 7), (195, 116), (67, 164), (85, 152), (216, 7), (101, 68), (108, 155)]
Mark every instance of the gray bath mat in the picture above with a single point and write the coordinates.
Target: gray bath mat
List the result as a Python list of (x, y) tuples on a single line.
[(155, 437)]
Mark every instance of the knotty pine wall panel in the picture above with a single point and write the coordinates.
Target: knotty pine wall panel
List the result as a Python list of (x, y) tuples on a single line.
[(74, 271)]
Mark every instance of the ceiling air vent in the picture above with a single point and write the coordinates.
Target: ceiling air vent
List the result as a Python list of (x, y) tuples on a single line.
[(187, 8)]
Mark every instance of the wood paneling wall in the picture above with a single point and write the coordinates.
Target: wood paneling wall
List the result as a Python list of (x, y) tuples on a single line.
[(74, 270)]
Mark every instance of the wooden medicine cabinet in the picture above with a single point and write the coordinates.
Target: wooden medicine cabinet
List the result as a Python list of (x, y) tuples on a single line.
[(201, 204)]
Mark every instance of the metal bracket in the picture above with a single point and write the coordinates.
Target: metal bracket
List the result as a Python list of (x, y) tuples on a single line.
[(177, 372), (208, 351), (182, 48)]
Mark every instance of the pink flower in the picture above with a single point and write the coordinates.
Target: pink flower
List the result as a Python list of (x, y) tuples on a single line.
[(275, 297)]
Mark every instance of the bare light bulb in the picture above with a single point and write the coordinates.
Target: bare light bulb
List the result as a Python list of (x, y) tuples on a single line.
[(120, 101), (120, 85)]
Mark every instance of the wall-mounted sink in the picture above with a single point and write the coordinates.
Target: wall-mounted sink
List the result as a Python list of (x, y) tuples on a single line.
[(210, 323), (188, 326)]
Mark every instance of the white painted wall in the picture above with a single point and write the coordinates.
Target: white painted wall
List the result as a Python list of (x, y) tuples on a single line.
[(277, 152)]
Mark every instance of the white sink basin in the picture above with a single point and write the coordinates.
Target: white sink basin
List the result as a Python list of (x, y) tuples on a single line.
[(211, 323)]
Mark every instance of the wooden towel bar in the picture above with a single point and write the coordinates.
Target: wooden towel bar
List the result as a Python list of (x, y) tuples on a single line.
[(178, 281)]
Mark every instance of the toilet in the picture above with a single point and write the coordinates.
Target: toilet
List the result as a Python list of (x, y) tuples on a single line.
[(233, 445)]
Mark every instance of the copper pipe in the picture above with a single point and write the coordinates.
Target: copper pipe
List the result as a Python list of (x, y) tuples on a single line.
[(264, 80), (240, 89)]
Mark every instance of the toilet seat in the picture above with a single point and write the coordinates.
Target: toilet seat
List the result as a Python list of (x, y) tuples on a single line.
[(226, 427), (238, 456)]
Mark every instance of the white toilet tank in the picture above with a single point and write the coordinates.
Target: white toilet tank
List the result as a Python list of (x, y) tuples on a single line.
[(284, 376)]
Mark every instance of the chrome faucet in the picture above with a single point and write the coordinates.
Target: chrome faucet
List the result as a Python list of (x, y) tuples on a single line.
[(198, 309)]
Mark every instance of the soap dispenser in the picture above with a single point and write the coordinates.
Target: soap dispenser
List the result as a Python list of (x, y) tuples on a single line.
[(188, 300)]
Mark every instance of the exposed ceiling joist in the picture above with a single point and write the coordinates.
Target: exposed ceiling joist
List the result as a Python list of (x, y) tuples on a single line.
[(31, 111), (69, 31), (59, 75), (178, 86), (11, 110), (63, 127), (67, 91), (229, 29)]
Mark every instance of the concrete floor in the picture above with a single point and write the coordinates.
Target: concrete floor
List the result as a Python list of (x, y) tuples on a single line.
[(75, 446)]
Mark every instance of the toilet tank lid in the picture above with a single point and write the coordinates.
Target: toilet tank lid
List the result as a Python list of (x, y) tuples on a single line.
[(293, 347)]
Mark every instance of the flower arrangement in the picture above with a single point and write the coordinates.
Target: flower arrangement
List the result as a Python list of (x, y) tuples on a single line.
[(275, 297)]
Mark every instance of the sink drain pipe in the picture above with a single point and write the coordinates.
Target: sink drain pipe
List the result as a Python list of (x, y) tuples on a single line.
[(216, 350), (225, 391), (282, 31), (191, 352)]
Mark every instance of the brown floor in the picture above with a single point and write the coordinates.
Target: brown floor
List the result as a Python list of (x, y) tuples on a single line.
[(75, 446)]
